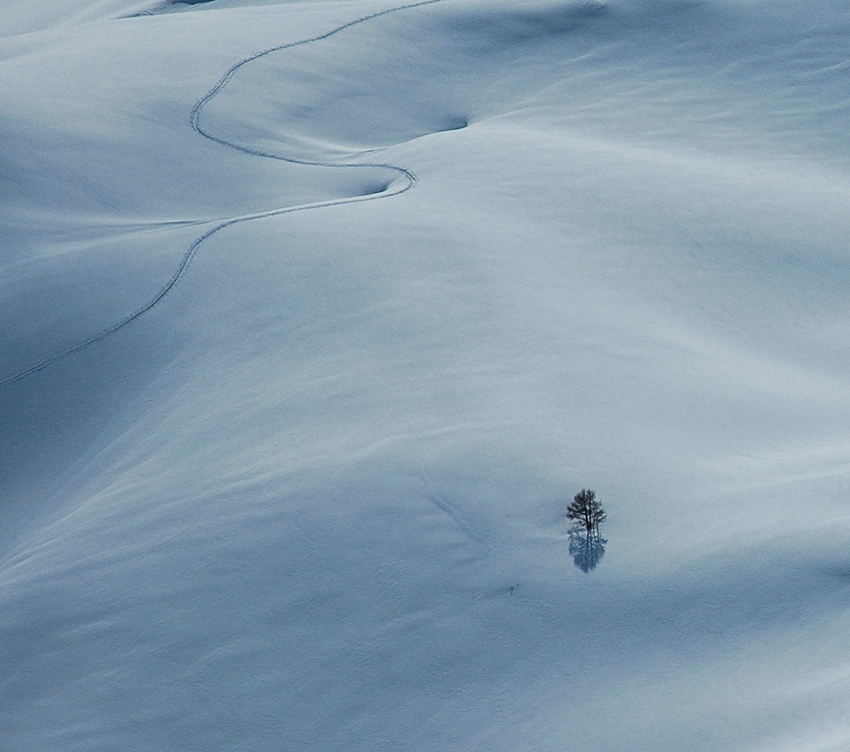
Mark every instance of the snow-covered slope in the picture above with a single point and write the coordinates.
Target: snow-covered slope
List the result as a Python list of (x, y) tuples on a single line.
[(315, 315)]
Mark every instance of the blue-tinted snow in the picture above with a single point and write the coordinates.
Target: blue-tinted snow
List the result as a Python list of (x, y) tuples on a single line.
[(314, 496)]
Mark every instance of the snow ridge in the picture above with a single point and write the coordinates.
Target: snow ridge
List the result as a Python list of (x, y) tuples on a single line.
[(409, 180)]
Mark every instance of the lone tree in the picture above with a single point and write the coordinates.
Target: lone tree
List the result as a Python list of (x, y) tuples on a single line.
[(586, 511)]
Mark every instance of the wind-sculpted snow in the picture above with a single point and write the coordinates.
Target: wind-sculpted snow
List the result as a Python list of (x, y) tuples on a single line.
[(408, 180), (286, 446), (401, 180)]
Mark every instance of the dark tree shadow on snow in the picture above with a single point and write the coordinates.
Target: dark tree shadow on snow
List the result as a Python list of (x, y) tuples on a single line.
[(587, 548)]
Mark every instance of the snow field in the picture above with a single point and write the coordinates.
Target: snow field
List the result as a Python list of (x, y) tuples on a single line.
[(314, 497)]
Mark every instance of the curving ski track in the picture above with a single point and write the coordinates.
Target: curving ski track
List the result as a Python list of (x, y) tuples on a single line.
[(194, 119)]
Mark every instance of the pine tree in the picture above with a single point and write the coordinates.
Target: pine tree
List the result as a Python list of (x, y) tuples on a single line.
[(586, 511)]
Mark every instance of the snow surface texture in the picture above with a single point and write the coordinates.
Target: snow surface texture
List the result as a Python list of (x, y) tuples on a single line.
[(315, 315)]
